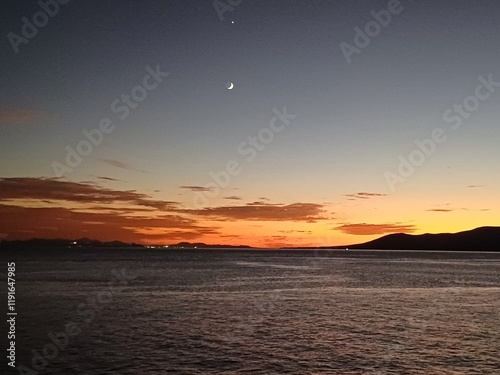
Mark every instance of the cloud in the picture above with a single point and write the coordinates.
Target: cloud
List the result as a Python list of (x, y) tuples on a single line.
[(440, 210), (308, 212), (295, 231), (121, 165), (107, 178), (18, 116), (195, 188), (61, 222), (372, 229), (364, 195), (476, 186), (56, 208), (52, 208), (260, 203), (233, 197), (22, 188)]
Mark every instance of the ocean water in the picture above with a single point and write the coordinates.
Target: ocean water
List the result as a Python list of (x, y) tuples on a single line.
[(256, 312)]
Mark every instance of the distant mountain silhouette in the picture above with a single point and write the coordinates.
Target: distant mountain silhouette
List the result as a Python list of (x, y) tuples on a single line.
[(87, 242), (479, 239), (58, 242)]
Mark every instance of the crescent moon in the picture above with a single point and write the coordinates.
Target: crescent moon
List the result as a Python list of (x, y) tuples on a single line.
[(230, 85)]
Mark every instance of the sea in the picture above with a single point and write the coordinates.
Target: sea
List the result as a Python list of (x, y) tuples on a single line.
[(158, 311)]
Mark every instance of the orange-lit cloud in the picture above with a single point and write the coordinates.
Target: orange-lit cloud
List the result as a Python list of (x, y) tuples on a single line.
[(364, 195), (18, 188), (233, 197), (65, 223), (107, 178), (373, 229), (440, 210), (195, 188), (295, 231), (308, 212)]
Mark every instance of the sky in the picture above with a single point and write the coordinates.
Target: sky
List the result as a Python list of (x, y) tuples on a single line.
[(345, 121)]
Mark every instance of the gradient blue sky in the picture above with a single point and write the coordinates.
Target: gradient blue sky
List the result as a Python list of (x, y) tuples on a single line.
[(352, 120)]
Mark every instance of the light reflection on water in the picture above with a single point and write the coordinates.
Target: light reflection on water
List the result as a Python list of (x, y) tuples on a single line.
[(268, 313)]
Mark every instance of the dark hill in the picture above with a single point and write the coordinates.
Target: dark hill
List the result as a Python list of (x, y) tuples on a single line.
[(479, 239)]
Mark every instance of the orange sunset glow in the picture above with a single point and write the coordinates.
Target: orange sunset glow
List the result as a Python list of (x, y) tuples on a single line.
[(53, 208)]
